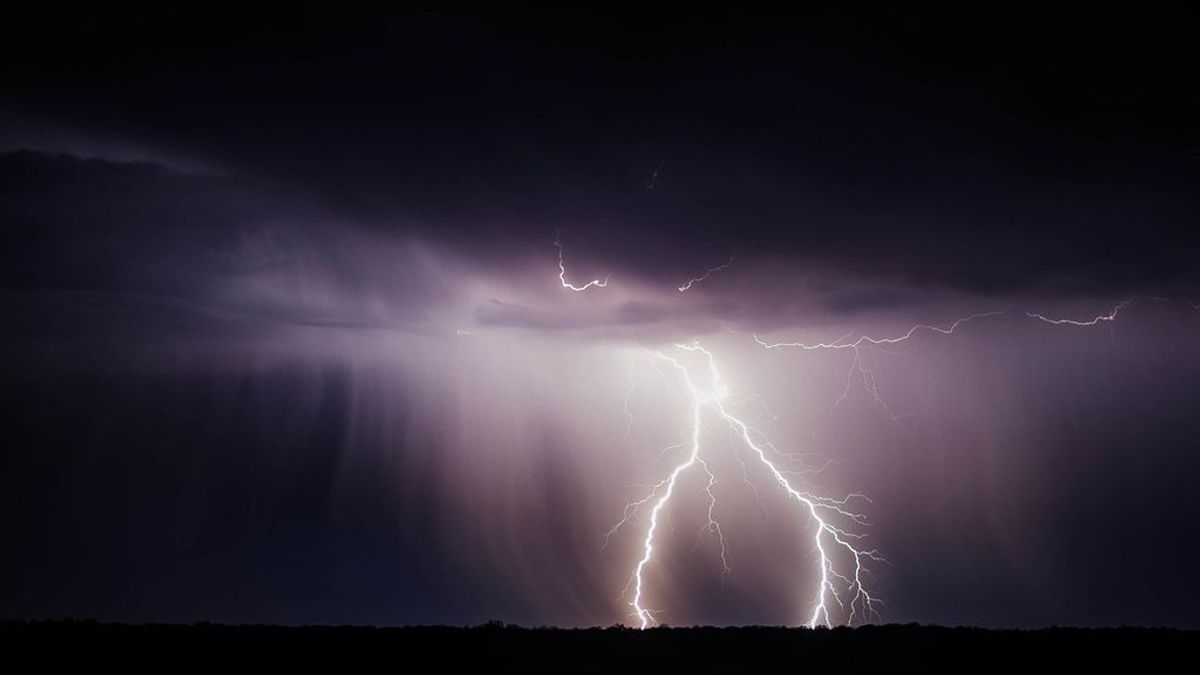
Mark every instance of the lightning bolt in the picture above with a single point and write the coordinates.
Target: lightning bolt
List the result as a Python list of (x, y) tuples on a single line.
[(840, 593), (562, 270), (842, 557), (868, 340), (845, 588), (857, 366), (707, 273), (1094, 321)]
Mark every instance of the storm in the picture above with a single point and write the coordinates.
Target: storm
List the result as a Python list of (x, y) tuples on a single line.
[(407, 318)]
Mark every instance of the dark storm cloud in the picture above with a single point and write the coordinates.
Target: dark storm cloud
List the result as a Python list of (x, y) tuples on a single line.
[(75, 223), (466, 135), (107, 240), (626, 314), (641, 312), (849, 302), (497, 313)]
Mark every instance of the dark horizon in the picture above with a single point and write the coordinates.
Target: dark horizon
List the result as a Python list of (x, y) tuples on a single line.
[(602, 650), (324, 317)]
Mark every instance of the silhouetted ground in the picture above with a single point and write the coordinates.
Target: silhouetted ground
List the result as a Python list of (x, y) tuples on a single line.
[(498, 648)]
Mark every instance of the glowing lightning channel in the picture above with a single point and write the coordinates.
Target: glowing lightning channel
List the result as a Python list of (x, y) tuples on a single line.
[(866, 339), (562, 270), (857, 366), (643, 614), (707, 273), (846, 589), (1110, 317)]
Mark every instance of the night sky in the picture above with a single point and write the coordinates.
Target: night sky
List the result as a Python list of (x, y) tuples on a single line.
[(285, 338)]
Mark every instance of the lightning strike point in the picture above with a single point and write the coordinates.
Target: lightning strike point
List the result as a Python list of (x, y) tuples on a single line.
[(845, 588)]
